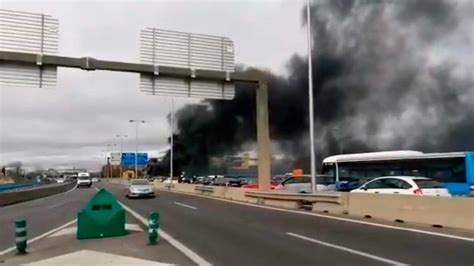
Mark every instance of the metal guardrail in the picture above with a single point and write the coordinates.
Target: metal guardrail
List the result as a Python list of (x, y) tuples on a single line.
[(329, 197), (204, 189)]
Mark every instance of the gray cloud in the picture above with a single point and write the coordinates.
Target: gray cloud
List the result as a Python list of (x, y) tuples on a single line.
[(71, 124)]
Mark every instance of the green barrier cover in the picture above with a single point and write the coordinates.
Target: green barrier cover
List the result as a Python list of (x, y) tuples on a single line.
[(102, 217)]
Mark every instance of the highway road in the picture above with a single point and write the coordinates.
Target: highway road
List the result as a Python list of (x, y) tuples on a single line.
[(226, 233), (42, 214)]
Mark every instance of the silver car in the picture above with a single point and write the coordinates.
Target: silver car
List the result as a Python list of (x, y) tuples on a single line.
[(302, 184), (140, 188)]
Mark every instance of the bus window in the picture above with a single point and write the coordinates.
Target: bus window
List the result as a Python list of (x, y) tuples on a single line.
[(357, 174), (393, 173), (415, 172), (329, 169), (374, 173), (447, 170)]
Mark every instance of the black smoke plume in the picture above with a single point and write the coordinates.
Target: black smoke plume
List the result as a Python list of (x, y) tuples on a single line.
[(387, 75)]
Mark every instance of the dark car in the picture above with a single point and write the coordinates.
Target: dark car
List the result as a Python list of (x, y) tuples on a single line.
[(233, 182), (186, 179), (227, 181)]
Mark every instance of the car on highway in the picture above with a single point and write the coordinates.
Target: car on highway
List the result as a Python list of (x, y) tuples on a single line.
[(404, 185), (302, 184), (227, 181), (252, 183), (140, 188), (84, 180), (169, 180), (186, 179), (204, 180), (273, 185)]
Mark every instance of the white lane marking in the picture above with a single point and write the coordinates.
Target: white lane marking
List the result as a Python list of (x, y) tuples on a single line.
[(185, 205), (34, 239), (353, 251), (337, 218), (59, 204), (73, 229), (133, 227), (90, 257), (175, 243), (65, 231), (72, 189)]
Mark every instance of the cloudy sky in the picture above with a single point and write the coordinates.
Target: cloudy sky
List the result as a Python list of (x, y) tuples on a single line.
[(72, 124)]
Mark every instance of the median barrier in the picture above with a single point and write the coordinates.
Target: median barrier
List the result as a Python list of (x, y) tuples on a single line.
[(204, 190), (455, 212), (236, 193), (12, 197), (328, 202)]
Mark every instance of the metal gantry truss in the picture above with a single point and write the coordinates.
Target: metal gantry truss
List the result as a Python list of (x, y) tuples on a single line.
[(27, 61)]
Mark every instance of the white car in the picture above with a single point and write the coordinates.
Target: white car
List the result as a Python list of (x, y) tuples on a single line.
[(140, 188), (403, 185), (302, 184), (170, 181)]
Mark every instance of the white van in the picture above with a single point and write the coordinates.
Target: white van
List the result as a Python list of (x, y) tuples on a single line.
[(84, 180)]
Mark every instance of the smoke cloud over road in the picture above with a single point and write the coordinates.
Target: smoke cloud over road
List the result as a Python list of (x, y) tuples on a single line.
[(387, 75)]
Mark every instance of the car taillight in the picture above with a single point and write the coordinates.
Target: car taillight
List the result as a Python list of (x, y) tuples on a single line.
[(418, 191), (471, 188)]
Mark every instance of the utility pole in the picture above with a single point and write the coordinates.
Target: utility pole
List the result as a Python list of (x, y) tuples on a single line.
[(171, 138), (121, 151), (136, 121), (311, 105), (109, 166)]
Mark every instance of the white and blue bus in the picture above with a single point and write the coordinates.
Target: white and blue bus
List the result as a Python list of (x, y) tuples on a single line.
[(454, 169)]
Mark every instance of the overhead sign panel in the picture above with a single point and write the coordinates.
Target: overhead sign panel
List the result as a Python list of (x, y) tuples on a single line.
[(186, 50), (128, 159), (29, 33), (115, 158)]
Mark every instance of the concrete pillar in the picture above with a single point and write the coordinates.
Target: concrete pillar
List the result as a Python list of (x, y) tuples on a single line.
[(263, 138)]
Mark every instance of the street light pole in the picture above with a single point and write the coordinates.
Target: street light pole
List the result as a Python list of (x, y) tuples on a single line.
[(136, 121), (121, 152), (109, 166), (310, 92), (171, 139)]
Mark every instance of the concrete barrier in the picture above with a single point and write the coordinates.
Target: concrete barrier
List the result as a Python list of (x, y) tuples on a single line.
[(12, 197), (323, 201), (238, 194), (232, 193), (436, 211), (456, 212)]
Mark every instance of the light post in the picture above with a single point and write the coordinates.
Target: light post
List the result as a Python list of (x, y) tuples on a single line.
[(310, 92), (109, 166), (106, 172), (136, 121), (121, 137), (171, 139)]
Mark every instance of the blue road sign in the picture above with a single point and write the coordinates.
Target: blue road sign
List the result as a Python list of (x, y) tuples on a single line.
[(128, 159)]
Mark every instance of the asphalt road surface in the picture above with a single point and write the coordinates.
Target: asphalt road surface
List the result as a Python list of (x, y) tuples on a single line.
[(42, 214), (226, 233)]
